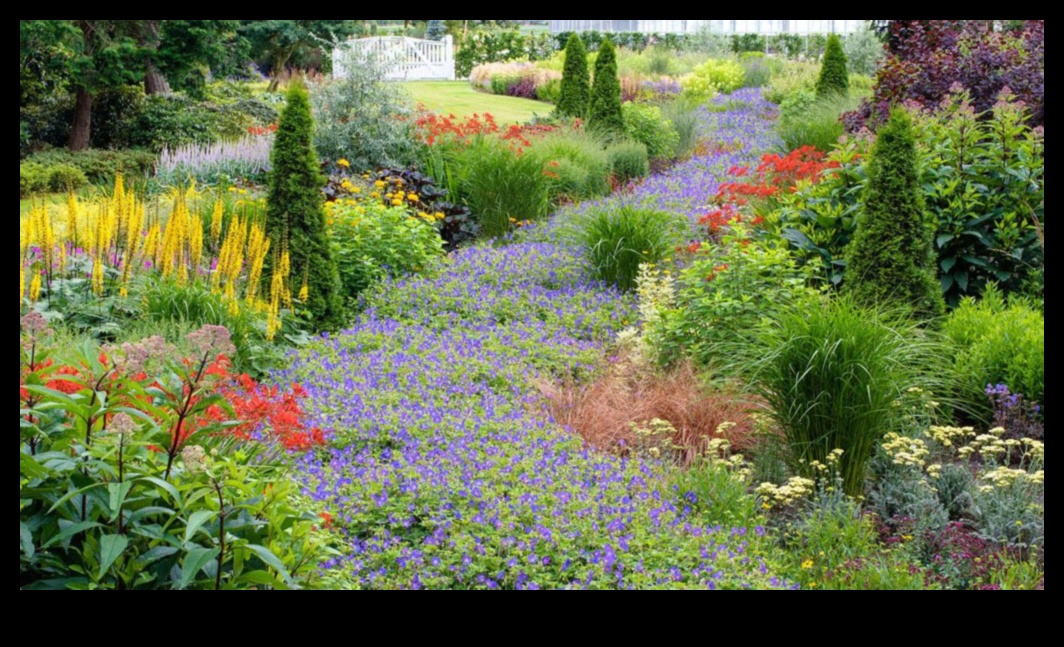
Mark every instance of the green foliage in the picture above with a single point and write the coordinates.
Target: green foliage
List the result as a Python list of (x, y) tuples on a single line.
[(806, 120), (891, 258), (500, 187), (728, 289), (605, 114), (984, 181), (279, 42), (373, 242), (998, 342), (617, 239), (647, 125), (834, 76), (575, 97), (174, 120), (168, 305), (34, 178), (294, 214), (101, 508), (716, 494), (712, 78), (363, 120), (577, 163), (629, 161), (100, 167), (831, 376)]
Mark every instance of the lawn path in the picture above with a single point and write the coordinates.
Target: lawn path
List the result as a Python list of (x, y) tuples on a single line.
[(445, 473)]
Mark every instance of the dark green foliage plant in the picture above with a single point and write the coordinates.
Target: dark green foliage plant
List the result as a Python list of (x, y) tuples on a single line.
[(647, 125), (834, 77), (295, 216), (575, 97), (605, 114), (629, 161), (100, 166), (891, 258)]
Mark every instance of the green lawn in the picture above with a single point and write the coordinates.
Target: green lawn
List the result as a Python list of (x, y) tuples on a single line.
[(459, 98)]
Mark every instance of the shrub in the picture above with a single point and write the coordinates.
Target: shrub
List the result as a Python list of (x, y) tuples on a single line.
[(928, 58), (32, 179), (793, 78), (834, 76), (363, 120), (172, 121), (618, 239), (574, 99), (605, 113), (647, 125), (864, 52), (998, 342), (831, 375), (712, 78), (100, 167), (757, 71), (65, 177), (294, 212), (717, 493), (727, 290), (891, 258), (984, 180), (373, 242), (550, 92), (23, 138), (809, 121), (629, 161), (168, 490)]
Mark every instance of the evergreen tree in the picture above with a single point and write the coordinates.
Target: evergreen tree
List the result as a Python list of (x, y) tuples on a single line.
[(576, 80), (294, 213), (834, 77), (436, 30), (892, 258), (606, 115)]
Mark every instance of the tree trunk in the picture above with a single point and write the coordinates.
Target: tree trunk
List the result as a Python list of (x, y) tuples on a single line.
[(155, 81), (82, 126)]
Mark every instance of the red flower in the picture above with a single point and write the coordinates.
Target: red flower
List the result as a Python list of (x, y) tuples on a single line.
[(66, 386)]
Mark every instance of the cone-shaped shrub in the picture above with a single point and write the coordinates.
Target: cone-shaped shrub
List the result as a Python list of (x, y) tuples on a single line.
[(834, 77), (576, 81), (606, 116), (891, 258), (295, 218)]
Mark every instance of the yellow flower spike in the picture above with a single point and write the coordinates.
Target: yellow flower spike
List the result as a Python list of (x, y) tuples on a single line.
[(35, 288), (21, 285)]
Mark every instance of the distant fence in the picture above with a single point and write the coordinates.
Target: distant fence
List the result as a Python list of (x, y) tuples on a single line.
[(404, 59)]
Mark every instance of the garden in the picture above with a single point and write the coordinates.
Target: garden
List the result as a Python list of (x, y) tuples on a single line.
[(696, 313)]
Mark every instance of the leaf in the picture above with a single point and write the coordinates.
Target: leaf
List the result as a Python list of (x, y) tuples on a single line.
[(962, 281), (111, 548), (195, 561), (943, 239), (272, 561), (195, 522), (118, 493), (167, 487), (29, 468), (71, 531), (154, 555), (25, 540), (948, 263)]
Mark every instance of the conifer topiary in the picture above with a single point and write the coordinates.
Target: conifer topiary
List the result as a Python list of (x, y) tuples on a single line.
[(834, 77), (891, 259), (606, 115), (295, 216), (436, 30), (575, 95)]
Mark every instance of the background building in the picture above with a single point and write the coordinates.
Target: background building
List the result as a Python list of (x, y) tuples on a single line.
[(764, 27)]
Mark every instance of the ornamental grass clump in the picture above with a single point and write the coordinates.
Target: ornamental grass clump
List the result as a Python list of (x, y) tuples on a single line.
[(616, 240), (832, 376)]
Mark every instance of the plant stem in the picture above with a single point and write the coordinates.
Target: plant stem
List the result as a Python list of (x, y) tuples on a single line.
[(221, 535)]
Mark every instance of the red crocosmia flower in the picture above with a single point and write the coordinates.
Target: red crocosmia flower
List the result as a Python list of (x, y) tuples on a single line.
[(693, 248), (66, 386), (326, 520)]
